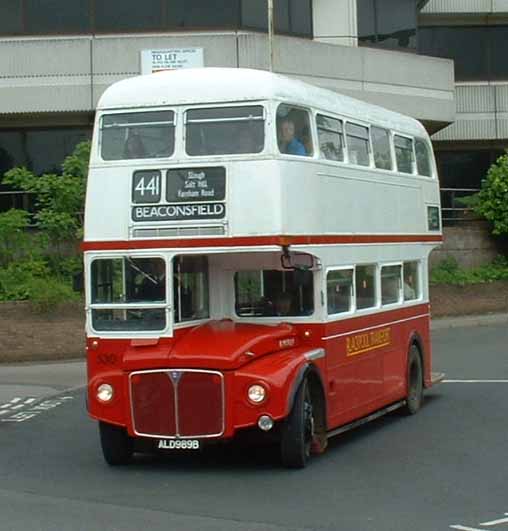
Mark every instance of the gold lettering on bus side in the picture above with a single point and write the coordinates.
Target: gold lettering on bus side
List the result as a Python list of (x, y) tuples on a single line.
[(360, 343)]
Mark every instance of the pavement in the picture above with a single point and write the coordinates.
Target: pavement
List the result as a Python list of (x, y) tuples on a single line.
[(43, 380)]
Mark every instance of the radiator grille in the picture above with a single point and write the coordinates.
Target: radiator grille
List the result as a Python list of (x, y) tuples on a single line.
[(177, 403)]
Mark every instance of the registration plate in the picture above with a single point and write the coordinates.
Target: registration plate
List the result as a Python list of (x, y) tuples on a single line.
[(179, 444)]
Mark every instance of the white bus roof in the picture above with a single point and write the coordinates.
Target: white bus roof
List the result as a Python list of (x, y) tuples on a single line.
[(223, 85)]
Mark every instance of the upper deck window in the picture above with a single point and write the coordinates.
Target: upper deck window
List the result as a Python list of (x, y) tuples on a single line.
[(331, 137), (293, 131), (404, 154), (422, 157), (225, 130), (358, 144), (381, 146), (140, 135)]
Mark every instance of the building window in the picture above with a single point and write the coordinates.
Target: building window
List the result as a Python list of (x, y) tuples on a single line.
[(479, 52), (202, 13), (11, 21), (290, 16), (34, 17), (387, 23), (128, 15), (53, 16)]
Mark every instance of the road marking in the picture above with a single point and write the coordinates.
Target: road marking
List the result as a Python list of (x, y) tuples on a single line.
[(20, 410), (475, 381), (464, 528), (495, 522)]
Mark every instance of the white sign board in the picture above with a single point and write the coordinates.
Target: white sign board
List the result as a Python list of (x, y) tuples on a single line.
[(170, 59)]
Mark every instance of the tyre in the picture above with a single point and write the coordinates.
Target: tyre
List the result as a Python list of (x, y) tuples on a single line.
[(298, 430), (117, 446), (414, 398)]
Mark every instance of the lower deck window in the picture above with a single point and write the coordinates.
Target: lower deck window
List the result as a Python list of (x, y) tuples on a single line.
[(272, 293), (411, 281), (391, 284), (339, 291), (132, 320), (365, 284)]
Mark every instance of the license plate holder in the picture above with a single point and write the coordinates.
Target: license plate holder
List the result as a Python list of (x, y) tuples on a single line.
[(179, 444)]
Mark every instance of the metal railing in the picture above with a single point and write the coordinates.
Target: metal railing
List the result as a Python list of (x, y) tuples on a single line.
[(452, 209)]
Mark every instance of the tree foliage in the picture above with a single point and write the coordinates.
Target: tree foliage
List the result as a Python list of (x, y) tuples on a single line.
[(39, 265), (491, 202), (59, 199)]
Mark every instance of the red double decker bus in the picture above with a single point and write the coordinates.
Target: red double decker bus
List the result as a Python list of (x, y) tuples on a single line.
[(256, 257)]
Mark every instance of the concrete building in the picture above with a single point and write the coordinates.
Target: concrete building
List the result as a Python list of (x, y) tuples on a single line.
[(474, 33), (58, 56)]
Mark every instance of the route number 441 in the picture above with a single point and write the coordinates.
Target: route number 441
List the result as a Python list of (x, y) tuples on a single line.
[(148, 185)]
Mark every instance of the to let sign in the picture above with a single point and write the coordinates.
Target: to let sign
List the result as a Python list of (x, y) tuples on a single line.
[(170, 59)]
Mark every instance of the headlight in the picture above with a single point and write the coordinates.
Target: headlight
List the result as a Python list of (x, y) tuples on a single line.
[(256, 394), (104, 393)]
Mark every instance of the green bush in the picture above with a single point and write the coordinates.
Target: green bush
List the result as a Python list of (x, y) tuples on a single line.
[(449, 272), (491, 202), (35, 265)]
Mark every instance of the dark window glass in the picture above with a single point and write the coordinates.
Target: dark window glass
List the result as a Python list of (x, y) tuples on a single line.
[(290, 16), (381, 147), (366, 16), (301, 17), (202, 13), (396, 23), (387, 23), (10, 17), (467, 46), (54, 16), (254, 14), (499, 52), (128, 15), (464, 169)]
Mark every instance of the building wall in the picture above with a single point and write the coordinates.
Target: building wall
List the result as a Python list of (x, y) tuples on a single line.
[(70, 73)]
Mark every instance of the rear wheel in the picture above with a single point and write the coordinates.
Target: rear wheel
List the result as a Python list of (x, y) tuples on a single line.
[(117, 446), (298, 430), (414, 397)]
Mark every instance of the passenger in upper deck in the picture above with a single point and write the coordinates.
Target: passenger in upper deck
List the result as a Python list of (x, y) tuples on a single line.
[(288, 143), (134, 148)]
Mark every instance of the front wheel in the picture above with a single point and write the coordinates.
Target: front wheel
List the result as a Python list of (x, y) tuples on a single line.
[(414, 397), (298, 430), (117, 446)]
